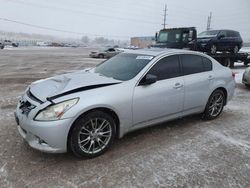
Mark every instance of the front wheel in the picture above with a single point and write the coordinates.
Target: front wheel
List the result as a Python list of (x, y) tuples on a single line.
[(92, 134), (101, 56), (214, 105)]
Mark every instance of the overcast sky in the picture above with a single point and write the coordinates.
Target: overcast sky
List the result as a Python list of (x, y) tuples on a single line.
[(122, 18)]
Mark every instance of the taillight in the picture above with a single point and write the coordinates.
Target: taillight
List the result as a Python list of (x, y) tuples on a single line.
[(233, 75)]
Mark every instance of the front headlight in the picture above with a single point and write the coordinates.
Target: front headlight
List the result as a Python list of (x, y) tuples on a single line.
[(55, 111)]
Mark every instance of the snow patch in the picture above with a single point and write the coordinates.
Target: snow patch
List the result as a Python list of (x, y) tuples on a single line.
[(228, 139)]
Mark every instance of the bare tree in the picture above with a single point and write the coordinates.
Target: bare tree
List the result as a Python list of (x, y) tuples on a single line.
[(85, 39)]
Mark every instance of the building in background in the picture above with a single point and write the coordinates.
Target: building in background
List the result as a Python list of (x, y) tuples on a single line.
[(142, 42)]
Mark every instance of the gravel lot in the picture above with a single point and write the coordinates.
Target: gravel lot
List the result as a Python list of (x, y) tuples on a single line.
[(187, 152)]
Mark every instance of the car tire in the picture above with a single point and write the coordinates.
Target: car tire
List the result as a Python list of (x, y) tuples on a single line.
[(92, 134), (235, 49), (214, 105), (213, 49), (101, 56)]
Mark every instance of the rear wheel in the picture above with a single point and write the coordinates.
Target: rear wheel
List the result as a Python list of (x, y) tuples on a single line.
[(214, 105), (92, 134)]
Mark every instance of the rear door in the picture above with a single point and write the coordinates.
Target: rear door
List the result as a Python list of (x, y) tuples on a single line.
[(163, 98), (198, 80)]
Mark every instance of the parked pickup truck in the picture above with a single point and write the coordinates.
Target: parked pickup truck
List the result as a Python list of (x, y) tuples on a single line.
[(186, 38)]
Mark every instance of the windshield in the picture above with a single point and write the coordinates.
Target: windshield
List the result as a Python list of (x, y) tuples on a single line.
[(169, 36), (123, 66), (209, 33)]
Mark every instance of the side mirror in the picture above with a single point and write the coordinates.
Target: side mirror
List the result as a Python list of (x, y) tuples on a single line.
[(156, 36), (148, 79)]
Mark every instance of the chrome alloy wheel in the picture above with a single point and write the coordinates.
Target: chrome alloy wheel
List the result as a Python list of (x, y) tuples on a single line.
[(94, 135), (216, 104)]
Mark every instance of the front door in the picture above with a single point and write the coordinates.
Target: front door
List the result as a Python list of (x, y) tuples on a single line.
[(163, 98)]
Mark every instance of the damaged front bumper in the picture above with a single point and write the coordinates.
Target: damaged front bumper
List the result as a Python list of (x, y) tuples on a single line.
[(46, 136)]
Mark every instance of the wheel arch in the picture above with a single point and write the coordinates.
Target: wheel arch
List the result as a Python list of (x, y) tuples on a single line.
[(101, 55), (103, 109), (224, 91)]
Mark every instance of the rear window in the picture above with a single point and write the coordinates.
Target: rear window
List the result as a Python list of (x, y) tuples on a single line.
[(207, 63), (191, 64)]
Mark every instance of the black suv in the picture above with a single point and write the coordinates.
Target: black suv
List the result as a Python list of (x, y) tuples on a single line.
[(219, 40)]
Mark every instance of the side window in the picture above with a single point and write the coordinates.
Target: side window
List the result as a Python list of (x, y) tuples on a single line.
[(111, 49), (191, 64), (231, 34), (223, 33), (235, 34), (166, 68), (207, 63)]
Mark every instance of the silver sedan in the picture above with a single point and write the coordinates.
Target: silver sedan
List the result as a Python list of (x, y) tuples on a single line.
[(85, 111)]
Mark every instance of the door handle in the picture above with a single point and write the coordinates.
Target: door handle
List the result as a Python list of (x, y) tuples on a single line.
[(210, 77), (177, 86)]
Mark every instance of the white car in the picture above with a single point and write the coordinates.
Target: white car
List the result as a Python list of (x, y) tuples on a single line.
[(84, 111), (105, 53)]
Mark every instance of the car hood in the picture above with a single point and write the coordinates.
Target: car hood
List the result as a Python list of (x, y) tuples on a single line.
[(68, 83)]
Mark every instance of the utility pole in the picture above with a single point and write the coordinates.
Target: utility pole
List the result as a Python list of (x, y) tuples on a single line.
[(165, 15), (209, 20)]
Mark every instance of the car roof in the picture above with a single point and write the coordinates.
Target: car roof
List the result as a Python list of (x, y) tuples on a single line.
[(224, 30), (158, 51)]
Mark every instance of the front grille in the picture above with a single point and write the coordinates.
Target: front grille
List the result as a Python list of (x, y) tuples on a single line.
[(26, 107)]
